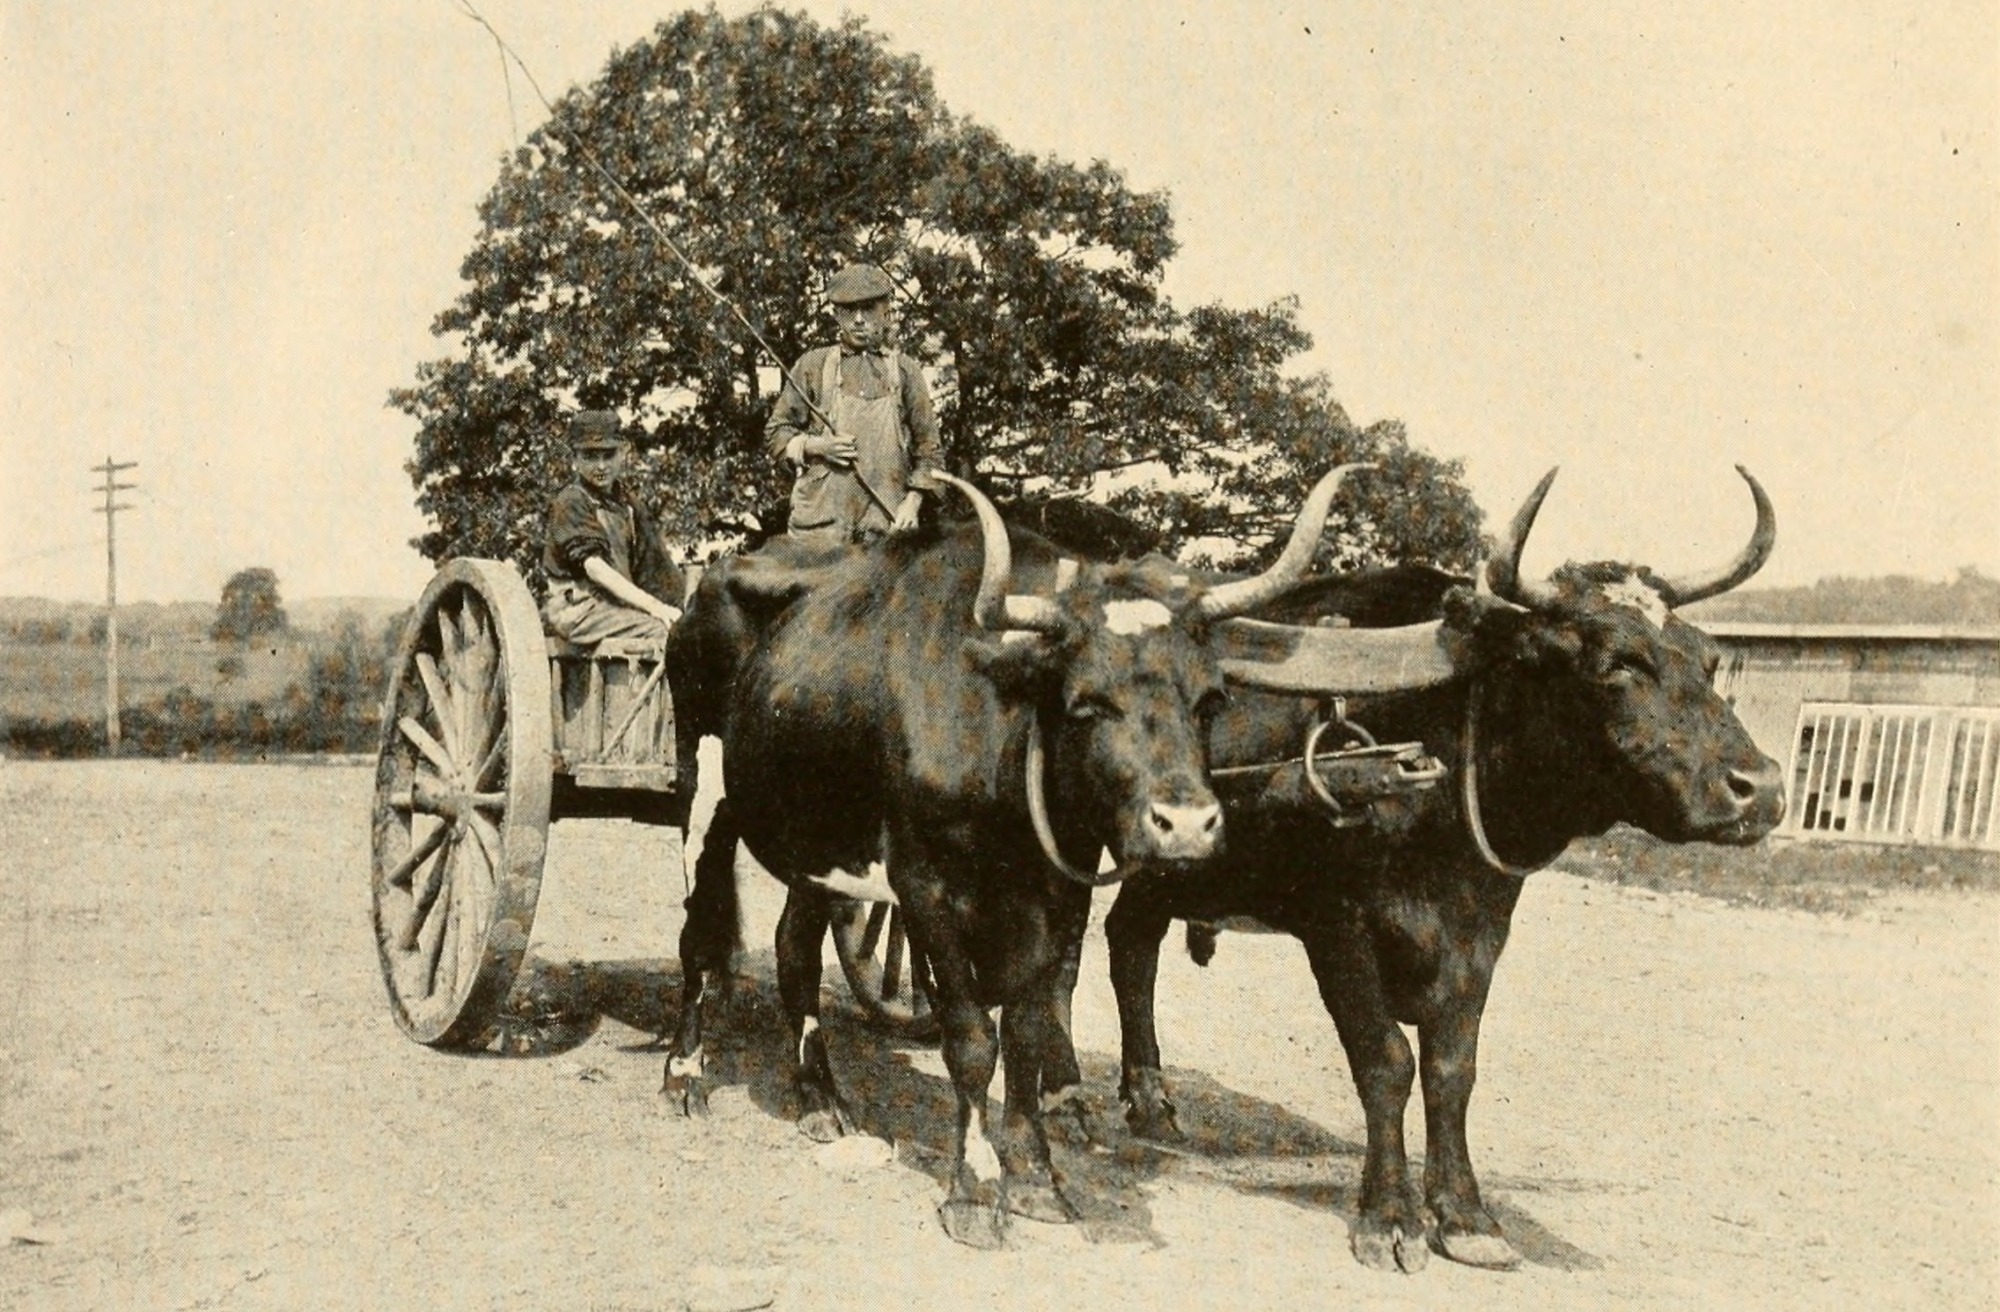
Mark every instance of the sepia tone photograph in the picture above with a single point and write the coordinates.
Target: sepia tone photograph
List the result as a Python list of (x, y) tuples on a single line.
[(880, 655)]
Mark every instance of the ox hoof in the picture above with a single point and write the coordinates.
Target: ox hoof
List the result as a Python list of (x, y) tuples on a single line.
[(825, 1125), (976, 1222), (686, 1096), (1155, 1121), (1075, 1117), (1492, 1252), (1148, 1110), (1040, 1201), (1390, 1248)]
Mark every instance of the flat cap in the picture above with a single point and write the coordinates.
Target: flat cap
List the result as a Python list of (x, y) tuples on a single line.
[(857, 284), (595, 428)]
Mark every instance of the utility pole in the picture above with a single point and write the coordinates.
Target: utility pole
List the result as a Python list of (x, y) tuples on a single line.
[(110, 469)]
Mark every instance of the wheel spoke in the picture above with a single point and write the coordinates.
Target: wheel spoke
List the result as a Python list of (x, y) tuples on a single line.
[(473, 667), (451, 943), (483, 777), (427, 895), (449, 640), (892, 957), (877, 913), (434, 936), (475, 899), (432, 749), (443, 707), (419, 852), (488, 838), (423, 794)]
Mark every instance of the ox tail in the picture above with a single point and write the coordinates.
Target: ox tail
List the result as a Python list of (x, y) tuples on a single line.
[(1201, 942)]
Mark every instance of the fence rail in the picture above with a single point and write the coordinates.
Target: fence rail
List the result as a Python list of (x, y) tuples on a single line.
[(1895, 774)]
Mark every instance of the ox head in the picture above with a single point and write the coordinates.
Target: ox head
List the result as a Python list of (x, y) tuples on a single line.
[(1119, 667), (1625, 686)]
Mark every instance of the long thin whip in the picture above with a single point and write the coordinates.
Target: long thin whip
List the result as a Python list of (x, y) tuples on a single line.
[(590, 158)]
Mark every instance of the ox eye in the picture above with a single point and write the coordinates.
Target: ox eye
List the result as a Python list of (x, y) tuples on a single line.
[(1630, 666), (1211, 704), (1092, 706)]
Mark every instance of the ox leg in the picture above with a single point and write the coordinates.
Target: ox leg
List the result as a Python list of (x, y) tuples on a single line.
[(1069, 1111), (708, 941), (1466, 1231), (1388, 1232), (974, 1210), (823, 1117), (1026, 1029), (1133, 931)]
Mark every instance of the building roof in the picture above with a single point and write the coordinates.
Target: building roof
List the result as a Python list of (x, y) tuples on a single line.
[(1850, 632)]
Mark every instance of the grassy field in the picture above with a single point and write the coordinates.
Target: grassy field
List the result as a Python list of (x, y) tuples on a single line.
[(64, 680), (1818, 876)]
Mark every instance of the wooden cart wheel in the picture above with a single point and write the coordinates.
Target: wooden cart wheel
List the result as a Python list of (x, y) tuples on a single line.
[(461, 809), (885, 972)]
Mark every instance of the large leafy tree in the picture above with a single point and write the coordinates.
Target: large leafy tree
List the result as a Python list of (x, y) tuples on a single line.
[(771, 150), (250, 607)]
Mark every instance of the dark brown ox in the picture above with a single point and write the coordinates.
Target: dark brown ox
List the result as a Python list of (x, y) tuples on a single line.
[(896, 703), (1562, 706)]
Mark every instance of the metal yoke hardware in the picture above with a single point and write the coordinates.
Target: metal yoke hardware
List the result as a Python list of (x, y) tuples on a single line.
[(1351, 779)]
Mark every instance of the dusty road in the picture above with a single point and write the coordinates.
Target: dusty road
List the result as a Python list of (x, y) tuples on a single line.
[(204, 1104)]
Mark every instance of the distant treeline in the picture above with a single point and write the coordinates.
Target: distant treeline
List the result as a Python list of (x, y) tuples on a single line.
[(337, 708), (38, 621), (1970, 599)]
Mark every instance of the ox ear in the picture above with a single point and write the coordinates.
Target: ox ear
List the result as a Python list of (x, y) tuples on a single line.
[(1551, 646), (1493, 632), (1021, 668)]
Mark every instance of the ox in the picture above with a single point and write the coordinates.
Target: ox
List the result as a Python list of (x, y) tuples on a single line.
[(870, 706), (1561, 706)]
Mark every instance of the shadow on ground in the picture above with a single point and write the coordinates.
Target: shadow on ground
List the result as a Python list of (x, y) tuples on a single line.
[(897, 1091)]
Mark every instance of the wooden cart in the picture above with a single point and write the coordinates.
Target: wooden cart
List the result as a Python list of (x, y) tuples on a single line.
[(492, 730)]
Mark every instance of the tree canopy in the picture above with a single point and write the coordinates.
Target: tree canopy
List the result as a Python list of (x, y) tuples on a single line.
[(250, 607), (773, 150)]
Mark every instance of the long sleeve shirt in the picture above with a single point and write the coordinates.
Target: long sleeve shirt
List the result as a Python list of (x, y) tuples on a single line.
[(861, 374)]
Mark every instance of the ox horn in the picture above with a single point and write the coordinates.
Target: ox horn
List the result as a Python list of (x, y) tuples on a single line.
[(1503, 571), (1229, 599), (995, 607), (1683, 591)]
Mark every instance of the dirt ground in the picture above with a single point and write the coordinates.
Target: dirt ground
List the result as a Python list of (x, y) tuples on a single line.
[(204, 1103)]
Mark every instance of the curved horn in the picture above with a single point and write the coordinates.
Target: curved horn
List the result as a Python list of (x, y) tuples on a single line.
[(995, 607), (1503, 571), (1228, 599), (1682, 591)]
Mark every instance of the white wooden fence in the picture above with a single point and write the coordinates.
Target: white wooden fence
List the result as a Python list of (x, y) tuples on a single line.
[(1895, 774)]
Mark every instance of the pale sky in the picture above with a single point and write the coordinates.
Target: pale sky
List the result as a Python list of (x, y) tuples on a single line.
[(1644, 242)]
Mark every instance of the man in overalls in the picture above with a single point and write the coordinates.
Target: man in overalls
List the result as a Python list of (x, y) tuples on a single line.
[(864, 478)]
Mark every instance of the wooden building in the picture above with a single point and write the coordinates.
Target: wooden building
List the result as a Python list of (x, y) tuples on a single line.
[(1889, 733)]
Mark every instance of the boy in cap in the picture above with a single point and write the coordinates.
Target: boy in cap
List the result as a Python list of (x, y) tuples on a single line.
[(864, 478), (601, 551)]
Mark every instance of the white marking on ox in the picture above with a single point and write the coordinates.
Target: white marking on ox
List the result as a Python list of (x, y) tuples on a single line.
[(873, 887), (1136, 616), (979, 1152), (688, 1065), (701, 810), (806, 1031), (1641, 596)]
